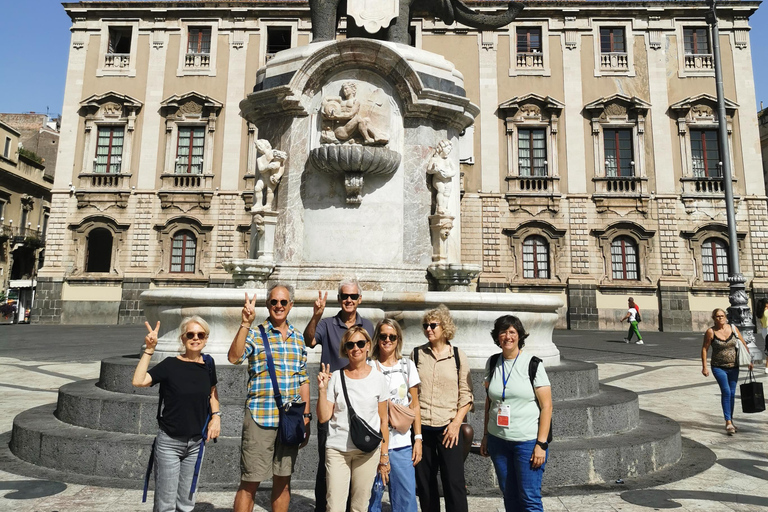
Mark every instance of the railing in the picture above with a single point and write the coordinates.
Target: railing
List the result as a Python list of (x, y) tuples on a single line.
[(533, 60), (197, 61), (269, 56), (21, 234), (100, 180), (187, 181), (117, 60), (699, 61), (614, 61), (704, 185), (532, 184), (619, 185)]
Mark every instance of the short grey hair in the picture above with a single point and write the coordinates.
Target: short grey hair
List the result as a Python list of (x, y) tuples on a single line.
[(281, 285), (183, 329), (350, 282)]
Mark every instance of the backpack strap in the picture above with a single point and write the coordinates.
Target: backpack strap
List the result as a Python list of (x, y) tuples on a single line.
[(416, 357), (533, 367), (149, 471), (458, 363), (494, 362), (271, 368)]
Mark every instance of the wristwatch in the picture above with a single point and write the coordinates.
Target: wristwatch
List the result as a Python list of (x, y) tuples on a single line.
[(543, 445), (308, 415), (217, 413)]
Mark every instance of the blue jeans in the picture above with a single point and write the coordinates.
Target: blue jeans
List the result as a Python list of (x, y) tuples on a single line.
[(402, 480), (175, 460), (519, 483), (727, 378)]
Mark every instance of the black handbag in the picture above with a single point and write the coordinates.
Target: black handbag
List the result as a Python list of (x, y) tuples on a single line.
[(290, 427), (752, 398), (363, 436)]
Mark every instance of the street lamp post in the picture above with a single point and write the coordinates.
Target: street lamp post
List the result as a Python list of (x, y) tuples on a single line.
[(739, 313)]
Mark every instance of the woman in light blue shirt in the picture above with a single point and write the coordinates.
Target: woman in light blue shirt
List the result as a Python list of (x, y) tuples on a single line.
[(518, 415)]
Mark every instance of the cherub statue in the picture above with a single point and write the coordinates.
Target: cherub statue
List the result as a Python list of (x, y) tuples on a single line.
[(346, 119), (442, 171), (271, 168)]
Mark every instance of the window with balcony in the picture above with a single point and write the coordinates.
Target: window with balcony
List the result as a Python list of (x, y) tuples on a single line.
[(118, 54), (535, 258), (190, 149), (198, 54), (614, 48), (624, 262), (183, 252), (696, 54), (529, 48), (705, 154), (619, 157), (532, 152), (714, 261), (109, 150), (278, 39), (98, 256)]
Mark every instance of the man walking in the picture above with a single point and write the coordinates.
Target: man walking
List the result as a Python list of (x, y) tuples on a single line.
[(632, 316), (261, 454), (328, 333)]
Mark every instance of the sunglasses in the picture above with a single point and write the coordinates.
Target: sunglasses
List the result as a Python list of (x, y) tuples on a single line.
[(387, 337), (193, 335), (432, 326), (275, 302), (345, 296), (351, 344)]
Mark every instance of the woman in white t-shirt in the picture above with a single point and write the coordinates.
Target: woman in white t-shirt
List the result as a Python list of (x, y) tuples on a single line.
[(349, 468), (518, 416), (402, 382)]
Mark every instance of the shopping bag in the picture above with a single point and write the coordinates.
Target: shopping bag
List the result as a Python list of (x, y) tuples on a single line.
[(376, 494), (752, 398)]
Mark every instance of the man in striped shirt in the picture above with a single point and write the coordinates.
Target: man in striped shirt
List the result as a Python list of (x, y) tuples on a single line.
[(262, 455)]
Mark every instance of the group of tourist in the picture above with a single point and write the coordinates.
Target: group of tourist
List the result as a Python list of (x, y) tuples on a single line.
[(378, 413)]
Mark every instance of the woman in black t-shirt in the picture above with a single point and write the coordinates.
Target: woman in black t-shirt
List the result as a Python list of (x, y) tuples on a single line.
[(187, 394)]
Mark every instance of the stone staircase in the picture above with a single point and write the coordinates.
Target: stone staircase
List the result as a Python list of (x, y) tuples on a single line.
[(105, 427)]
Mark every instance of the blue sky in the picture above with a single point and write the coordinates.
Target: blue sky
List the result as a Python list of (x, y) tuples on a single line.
[(34, 36)]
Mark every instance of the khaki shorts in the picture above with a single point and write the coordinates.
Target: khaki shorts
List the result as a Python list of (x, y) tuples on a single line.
[(261, 453)]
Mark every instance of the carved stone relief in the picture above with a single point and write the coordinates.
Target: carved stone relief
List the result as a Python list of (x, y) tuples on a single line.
[(271, 166), (442, 171)]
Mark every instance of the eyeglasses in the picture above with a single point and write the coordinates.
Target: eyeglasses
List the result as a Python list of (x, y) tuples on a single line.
[(432, 326), (193, 335), (275, 302), (351, 344), (387, 337), (345, 296)]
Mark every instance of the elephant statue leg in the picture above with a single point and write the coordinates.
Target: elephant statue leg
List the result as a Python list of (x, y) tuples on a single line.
[(325, 18)]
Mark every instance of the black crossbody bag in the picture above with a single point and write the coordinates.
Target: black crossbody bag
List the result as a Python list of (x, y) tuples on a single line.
[(363, 436)]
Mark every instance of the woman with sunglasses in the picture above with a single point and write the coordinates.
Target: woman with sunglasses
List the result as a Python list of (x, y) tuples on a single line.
[(348, 467), (445, 397), (402, 382), (187, 394)]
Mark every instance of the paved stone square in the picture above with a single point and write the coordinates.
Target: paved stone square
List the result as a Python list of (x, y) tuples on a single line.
[(718, 473)]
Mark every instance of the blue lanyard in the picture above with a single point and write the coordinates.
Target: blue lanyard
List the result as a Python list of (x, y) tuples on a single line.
[(504, 377)]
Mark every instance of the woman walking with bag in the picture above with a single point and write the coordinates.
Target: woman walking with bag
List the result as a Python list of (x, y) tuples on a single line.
[(187, 395), (724, 339), (354, 402), (402, 382), (518, 417)]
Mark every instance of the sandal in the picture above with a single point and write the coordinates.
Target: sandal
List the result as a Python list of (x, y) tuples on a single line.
[(730, 429)]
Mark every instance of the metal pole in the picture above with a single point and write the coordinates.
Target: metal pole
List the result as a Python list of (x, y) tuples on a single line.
[(739, 313)]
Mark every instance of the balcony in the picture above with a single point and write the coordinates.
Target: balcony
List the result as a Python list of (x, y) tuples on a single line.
[(99, 188), (25, 236), (701, 191), (117, 61), (699, 62), (186, 190), (533, 192), (197, 62), (533, 60), (101, 180), (621, 192), (614, 61)]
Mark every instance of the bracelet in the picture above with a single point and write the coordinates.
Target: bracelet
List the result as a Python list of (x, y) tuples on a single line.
[(418, 437), (148, 353), (217, 413), (246, 326)]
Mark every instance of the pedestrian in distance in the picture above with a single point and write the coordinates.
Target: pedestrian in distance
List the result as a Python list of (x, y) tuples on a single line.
[(262, 455), (724, 338), (188, 412), (633, 317), (761, 312), (360, 390), (518, 416)]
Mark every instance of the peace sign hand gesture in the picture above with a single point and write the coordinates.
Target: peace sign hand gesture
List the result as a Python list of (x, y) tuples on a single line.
[(324, 376), (150, 340), (249, 310), (319, 306)]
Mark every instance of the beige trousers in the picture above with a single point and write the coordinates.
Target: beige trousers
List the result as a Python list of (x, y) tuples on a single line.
[(361, 467)]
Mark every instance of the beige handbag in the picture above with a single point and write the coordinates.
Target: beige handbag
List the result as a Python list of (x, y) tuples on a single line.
[(400, 417)]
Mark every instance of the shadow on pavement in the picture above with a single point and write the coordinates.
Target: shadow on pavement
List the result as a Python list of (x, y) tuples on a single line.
[(653, 498), (30, 489)]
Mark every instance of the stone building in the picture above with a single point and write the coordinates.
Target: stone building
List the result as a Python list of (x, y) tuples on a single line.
[(592, 171), (25, 194)]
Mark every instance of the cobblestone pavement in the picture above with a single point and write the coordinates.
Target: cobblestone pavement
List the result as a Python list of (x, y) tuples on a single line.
[(718, 473)]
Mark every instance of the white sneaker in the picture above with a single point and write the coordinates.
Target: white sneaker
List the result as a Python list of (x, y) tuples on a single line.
[(639, 342), (627, 341)]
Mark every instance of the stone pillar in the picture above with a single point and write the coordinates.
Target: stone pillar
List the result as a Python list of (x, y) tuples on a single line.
[(675, 311), (47, 306), (233, 123), (151, 134), (489, 103), (263, 235), (574, 121), (131, 311), (582, 303), (659, 98), (491, 279)]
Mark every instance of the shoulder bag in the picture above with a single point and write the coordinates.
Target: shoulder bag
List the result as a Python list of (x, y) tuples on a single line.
[(400, 417), (363, 436), (290, 426)]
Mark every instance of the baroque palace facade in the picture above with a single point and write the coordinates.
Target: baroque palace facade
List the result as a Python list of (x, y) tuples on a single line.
[(592, 171)]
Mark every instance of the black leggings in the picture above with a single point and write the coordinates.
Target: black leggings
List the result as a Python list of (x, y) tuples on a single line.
[(450, 462)]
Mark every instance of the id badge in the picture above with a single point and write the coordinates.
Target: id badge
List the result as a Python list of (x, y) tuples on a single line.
[(502, 417)]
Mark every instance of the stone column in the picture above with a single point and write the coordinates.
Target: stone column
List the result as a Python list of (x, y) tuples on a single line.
[(489, 102), (574, 122), (150, 129), (664, 174), (233, 123)]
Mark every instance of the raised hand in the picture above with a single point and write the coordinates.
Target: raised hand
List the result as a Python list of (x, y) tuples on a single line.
[(324, 376), (150, 340), (249, 310), (319, 306)]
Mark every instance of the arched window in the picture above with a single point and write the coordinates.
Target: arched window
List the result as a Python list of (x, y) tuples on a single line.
[(624, 263), (98, 256), (535, 258), (714, 260), (183, 252)]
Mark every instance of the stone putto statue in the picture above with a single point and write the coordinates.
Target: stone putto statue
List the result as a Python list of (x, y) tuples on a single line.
[(349, 120), (442, 171), (271, 168)]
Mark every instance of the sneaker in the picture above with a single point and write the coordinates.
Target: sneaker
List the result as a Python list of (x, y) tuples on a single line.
[(639, 342), (627, 341)]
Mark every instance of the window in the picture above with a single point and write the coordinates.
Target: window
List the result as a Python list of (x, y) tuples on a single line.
[(183, 252), (705, 154), (529, 40), (714, 260), (619, 160), (23, 223), (45, 222), (2, 211), (696, 41), (532, 152), (119, 40), (7, 148), (109, 149), (199, 40), (624, 259), (278, 39), (98, 257), (190, 149), (535, 258), (612, 40)]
